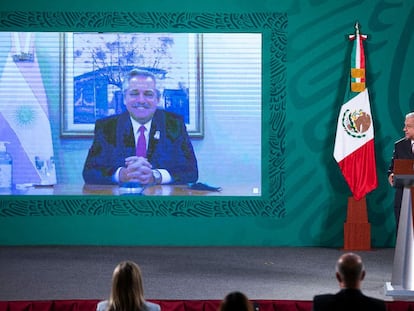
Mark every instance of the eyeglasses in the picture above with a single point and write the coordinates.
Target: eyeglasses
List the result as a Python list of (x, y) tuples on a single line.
[(147, 94)]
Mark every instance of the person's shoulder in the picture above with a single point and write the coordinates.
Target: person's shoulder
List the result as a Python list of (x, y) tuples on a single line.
[(369, 303), (102, 305), (378, 302), (400, 141), (324, 301), (168, 115), (111, 119), (324, 297), (110, 123), (151, 306), (173, 123)]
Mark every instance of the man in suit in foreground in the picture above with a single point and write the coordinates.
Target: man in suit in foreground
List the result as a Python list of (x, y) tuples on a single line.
[(403, 149), (144, 145), (350, 274)]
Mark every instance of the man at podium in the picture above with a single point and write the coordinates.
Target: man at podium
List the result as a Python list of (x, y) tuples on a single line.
[(403, 149)]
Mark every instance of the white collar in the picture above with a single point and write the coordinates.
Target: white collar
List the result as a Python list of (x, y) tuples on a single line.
[(136, 125)]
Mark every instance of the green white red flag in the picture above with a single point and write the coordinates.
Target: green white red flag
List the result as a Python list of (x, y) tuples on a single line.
[(354, 143)]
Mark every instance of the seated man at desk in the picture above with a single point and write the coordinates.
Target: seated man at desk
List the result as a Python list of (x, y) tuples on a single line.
[(145, 144)]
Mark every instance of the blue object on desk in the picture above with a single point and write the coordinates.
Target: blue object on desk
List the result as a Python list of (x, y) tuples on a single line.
[(131, 188)]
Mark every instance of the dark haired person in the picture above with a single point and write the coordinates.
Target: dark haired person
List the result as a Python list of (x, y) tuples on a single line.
[(236, 301), (127, 291), (166, 154), (350, 273)]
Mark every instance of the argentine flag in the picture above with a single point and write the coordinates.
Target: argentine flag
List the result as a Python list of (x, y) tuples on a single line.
[(24, 117)]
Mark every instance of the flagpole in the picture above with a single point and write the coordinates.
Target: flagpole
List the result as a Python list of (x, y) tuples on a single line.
[(357, 229)]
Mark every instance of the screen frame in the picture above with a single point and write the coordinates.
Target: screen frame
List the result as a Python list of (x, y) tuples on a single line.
[(271, 203)]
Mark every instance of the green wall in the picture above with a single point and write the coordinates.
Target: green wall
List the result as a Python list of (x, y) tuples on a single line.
[(305, 66)]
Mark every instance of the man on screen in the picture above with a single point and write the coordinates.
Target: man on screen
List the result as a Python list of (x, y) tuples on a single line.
[(145, 144)]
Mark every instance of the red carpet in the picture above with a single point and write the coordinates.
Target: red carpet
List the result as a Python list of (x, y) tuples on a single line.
[(177, 305)]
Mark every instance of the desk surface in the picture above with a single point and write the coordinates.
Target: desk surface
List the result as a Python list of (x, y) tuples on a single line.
[(157, 190)]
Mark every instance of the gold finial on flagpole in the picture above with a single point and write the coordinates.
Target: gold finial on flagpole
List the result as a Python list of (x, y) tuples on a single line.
[(358, 70)]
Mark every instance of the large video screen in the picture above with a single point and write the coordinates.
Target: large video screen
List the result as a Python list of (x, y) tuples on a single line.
[(55, 86)]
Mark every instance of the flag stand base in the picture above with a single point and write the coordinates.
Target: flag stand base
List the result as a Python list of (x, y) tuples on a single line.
[(357, 229)]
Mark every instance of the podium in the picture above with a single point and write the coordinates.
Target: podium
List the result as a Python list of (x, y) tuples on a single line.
[(402, 281)]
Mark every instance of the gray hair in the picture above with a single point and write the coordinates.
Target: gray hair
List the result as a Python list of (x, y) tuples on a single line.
[(409, 115), (137, 73)]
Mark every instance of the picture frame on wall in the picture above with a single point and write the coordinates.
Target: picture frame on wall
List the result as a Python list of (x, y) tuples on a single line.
[(94, 64)]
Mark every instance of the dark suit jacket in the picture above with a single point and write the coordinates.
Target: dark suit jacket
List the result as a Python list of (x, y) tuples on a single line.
[(402, 150), (114, 141), (347, 300)]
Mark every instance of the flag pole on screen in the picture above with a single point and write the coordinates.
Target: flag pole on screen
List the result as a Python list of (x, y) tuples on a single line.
[(24, 116), (354, 149)]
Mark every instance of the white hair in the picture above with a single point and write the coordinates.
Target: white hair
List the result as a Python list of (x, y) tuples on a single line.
[(409, 115)]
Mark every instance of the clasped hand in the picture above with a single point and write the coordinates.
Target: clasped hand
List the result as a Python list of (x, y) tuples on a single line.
[(137, 169), (391, 179)]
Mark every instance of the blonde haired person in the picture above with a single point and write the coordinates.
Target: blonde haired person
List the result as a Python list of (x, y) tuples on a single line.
[(127, 292)]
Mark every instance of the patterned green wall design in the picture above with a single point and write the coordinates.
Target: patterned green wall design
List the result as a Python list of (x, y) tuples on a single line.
[(271, 204), (304, 73)]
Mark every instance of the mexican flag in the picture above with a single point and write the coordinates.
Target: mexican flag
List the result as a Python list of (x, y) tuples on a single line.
[(354, 143)]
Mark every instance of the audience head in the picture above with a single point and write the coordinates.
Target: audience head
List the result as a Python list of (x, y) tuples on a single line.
[(141, 96), (127, 293), (350, 271), (236, 301)]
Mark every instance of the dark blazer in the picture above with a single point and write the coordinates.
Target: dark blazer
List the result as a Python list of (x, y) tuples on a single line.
[(169, 148), (402, 150), (347, 300)]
